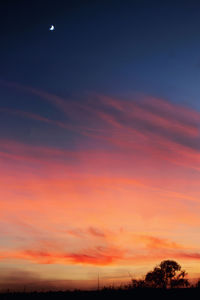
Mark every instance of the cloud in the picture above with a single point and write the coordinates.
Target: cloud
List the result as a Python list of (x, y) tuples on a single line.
[(189, 255), (155, 127), (96, 232), (97, 256), (102, 256), (153, 242)]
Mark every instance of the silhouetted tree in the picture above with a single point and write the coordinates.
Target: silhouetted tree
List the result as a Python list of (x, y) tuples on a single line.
[(180, 280), (138, 283), (155, 278), (167, 275)]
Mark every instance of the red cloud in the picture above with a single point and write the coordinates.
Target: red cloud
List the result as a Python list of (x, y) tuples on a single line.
[(97, 256), (102, 256)]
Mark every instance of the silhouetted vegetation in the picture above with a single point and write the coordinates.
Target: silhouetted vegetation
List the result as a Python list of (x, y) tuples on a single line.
[(167, 279), (167, 275)]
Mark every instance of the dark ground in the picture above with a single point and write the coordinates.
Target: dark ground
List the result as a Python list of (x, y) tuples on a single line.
[(108, 294)]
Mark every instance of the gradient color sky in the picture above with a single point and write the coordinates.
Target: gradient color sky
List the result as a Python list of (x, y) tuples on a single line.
[(99, 141)]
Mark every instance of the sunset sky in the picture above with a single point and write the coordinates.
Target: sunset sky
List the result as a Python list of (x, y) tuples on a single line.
[(99, 141)]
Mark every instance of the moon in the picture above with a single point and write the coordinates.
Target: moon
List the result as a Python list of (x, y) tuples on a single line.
[(52, 28)]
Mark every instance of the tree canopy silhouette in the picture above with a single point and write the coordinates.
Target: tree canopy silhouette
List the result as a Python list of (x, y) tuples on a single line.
[(167, 275)]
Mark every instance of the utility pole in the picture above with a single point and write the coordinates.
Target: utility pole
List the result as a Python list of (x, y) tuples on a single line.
[(98, 282)]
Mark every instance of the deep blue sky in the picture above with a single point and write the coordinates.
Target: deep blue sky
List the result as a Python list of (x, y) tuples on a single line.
[(108, 47)]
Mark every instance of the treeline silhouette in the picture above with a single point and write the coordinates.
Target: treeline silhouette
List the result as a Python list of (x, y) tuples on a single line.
[(165, 280)]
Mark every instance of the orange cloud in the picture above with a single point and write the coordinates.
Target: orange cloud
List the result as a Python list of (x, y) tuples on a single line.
[(96, 232), (158, 243)]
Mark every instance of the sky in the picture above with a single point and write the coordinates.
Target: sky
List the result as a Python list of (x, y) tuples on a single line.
[(99, 141)]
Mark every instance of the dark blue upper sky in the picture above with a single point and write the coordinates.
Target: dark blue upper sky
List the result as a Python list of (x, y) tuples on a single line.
[(109, 47), (104, 46)]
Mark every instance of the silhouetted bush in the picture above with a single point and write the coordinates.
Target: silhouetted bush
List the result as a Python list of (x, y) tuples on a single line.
[(167, 275)]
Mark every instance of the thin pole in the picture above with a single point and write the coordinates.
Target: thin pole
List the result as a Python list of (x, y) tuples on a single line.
[(98, 281)]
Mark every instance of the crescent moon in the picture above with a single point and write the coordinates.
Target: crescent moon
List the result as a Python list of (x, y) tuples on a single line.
[(52, 28)]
